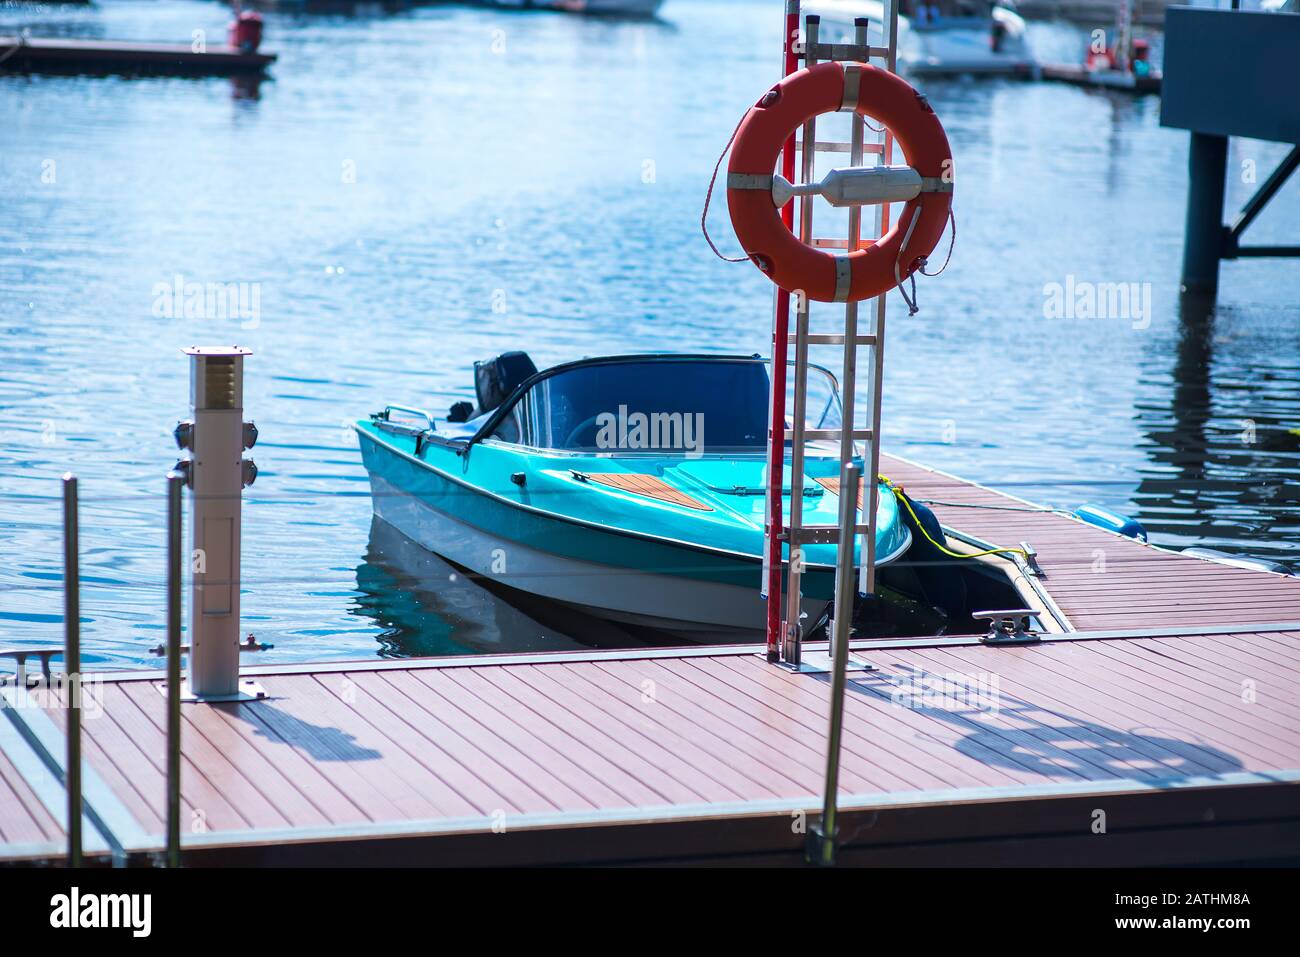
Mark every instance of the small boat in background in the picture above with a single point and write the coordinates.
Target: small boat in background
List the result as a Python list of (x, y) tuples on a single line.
[(610, 8), (1124, 65), (630, 487), (950, 37)]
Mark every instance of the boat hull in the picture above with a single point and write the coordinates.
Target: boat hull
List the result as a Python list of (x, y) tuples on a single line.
[(632, 595), (951, 46), (607, 572), (604, 8)]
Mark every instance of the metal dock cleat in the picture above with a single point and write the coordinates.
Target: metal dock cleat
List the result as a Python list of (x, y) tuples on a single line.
[(20, 678), (1031, 559), (1009, 626)]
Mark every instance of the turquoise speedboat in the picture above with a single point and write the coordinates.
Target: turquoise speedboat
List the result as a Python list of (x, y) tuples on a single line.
[(630, 486)]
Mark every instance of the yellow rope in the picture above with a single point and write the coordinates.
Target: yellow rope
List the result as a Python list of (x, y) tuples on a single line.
[(902, 497)]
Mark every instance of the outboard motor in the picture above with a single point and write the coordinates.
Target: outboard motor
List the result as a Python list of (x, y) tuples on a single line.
[(494, 382)]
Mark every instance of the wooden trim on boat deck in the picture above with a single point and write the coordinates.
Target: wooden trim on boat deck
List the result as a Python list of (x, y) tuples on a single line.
[(832, 484), (649, 486)]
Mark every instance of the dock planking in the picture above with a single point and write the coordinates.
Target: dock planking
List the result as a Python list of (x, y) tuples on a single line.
[(1173, 711), (1076, 74), (1104, 581), (25, 821)]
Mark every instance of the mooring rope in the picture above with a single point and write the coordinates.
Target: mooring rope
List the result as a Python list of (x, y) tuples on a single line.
[(912, 307), (902, 497), (708, 198)]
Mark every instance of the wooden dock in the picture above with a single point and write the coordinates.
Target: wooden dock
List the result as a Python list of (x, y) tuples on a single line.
[(1165, 729), (67, 56)]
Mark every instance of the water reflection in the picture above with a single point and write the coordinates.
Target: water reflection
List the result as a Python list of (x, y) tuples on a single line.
[(247, 87), (421, 605), (1222, 438)]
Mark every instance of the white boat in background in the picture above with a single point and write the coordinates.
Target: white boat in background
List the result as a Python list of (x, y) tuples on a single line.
[(951, 37), (609, 8)]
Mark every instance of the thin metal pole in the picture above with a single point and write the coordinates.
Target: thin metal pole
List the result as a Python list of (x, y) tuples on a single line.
[(780, 347), (876, 368), (72, 663), (792, 640), (1255, 206), (849, 367), (175, 482), (823, 851)]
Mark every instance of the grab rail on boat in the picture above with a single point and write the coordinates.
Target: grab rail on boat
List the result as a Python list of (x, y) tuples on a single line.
[(413, 410), (384, 421), (423, 436)]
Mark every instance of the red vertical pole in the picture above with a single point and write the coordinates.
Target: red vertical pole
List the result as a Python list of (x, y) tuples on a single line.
[(780, 342)]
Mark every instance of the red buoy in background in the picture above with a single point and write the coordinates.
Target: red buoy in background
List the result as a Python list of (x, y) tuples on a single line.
[(245, 32)]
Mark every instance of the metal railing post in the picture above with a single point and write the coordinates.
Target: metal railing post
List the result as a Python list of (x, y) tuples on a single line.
[(823, 835), (72, 664), (792, 640), (772, 572), (175, 482)]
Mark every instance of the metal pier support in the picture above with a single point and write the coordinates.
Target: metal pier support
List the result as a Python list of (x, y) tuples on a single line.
[(72, 664), (1216, 97), (175, 482), (822, 835), (1233, 248), (1207, 160)]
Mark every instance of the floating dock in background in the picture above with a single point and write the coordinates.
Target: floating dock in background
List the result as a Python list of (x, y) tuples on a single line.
[(32, 55), (1215, 98), (1091, 12), (1078, 75), (1165, 729), (1021, 69)]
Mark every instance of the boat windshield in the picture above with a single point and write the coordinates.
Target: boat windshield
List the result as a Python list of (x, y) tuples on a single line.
[(665, 406)]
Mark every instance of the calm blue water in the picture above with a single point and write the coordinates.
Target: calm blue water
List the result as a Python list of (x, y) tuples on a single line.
[(415, 189)]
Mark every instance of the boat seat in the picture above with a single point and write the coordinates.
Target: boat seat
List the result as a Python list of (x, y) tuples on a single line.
[(507, 431)]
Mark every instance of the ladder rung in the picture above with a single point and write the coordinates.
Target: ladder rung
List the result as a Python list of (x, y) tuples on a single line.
[(822, 534), (817, 339), (842, 243), (843, 51), (861, 435), (821, 146)]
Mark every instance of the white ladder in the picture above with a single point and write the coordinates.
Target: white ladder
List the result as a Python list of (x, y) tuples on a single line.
[(794, 533)]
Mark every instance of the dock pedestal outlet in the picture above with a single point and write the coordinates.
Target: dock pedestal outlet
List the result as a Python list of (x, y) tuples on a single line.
[(216, 473)]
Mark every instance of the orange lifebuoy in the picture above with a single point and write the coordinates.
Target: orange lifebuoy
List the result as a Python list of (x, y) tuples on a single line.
[(801, 96)]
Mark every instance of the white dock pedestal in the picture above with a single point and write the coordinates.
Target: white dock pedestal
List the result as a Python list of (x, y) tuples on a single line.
[(217, 474)]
